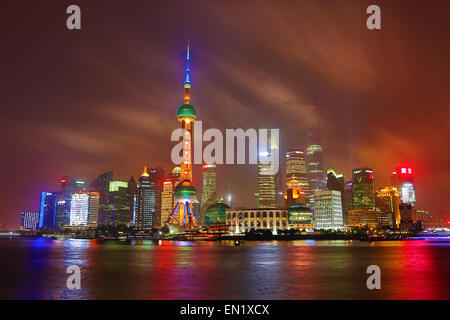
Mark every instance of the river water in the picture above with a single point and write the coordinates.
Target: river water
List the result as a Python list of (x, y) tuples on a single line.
[(145, 269)]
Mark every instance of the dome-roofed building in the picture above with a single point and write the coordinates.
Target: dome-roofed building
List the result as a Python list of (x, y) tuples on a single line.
[(176, 170), (216, 214), (300, 217)]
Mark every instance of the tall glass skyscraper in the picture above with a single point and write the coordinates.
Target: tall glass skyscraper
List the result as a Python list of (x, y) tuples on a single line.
[(94, 206), (157, 178), (363, 188), (403, 179), (145, 202), (209, 195), (101, 185), (296, 170), (268, 181), (336, 182), (47, 212), (314, 155)]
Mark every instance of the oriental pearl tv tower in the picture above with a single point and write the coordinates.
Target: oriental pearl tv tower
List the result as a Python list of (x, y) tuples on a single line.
[(184, 193)]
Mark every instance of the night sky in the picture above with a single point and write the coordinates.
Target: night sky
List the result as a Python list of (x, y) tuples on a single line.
[(79, 103)]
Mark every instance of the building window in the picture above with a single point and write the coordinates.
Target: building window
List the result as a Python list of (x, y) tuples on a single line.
[(264, 214), (271, 214)]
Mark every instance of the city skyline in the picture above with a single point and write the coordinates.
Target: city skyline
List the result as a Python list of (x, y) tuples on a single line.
[(138, 120)]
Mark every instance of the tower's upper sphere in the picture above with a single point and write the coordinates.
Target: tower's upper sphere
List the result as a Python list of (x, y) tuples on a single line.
[(186, 111), (185, 191)]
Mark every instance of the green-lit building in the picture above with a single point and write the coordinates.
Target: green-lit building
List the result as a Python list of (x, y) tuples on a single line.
[(300, 217), (216, 214), (363, 188)]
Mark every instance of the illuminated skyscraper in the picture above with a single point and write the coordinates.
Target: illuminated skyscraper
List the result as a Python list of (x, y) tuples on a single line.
[(403, 179), (363, 188), (167, 201), (314, 153), (336, 182), (328, 210), (348, 196), (296, 170), (47, 212), (69, 186), (387, 199), (79, 210), (157, 177), (62, 212), (209, 196), (94, 206), (101, 185), (185, 193), (268, 180), (145, 202)]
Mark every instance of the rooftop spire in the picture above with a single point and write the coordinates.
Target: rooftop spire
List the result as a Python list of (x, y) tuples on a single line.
[(187, 80), (145, 173)]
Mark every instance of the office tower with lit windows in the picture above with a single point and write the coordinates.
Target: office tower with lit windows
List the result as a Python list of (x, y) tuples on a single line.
[(29, 220), (328, 210), (101, 185), (403, 179), (314, 154), (79, 210), (363, 188), (47, 212), (209, 195), (157, 178), (167, 201), (62, 212), (387, 199), (69, 186), (296, 170), (268, 180), (348, 196), (336, 182), (145, 202), (94, 206), (132, 187), (118, 207)]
